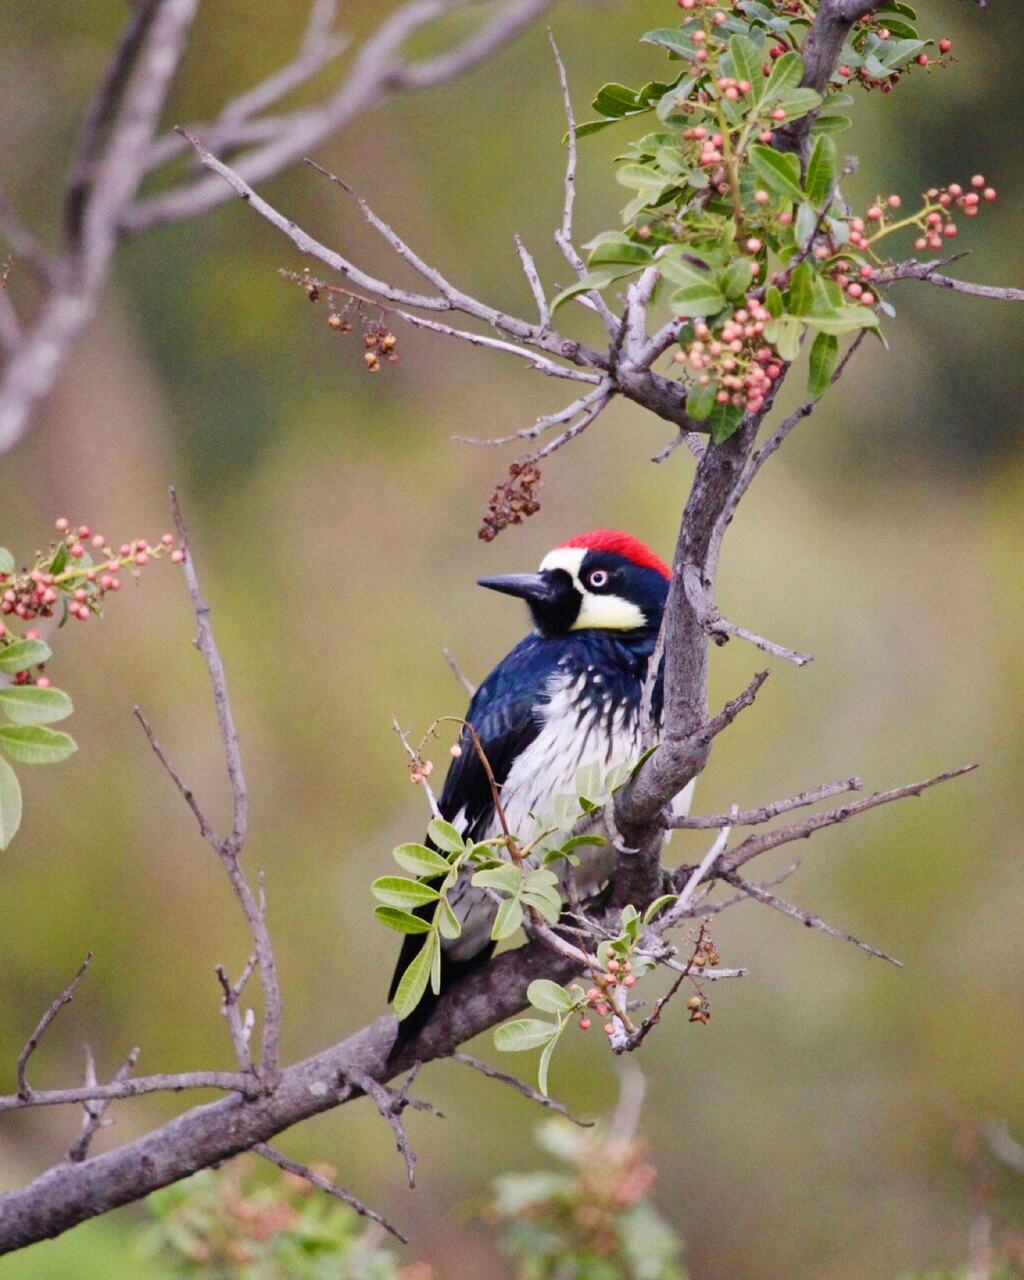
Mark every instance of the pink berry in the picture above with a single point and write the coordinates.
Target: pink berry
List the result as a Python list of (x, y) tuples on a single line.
[(168, 539), (945, 46), (142, 559), (978, 180), (584, 1024), (77, 550), (989, 193), (43, 682), (62, 525)]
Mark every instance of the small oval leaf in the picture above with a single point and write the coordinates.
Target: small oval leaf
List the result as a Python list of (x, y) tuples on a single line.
[(32, 744), (400, 921), (23, 654), (420, 860), (25, 704), (523, 1034)]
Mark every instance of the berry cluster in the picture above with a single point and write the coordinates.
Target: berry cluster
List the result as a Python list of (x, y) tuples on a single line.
[(601, 996), (736, 358), (66, 578), (512, 501), (378, 339)]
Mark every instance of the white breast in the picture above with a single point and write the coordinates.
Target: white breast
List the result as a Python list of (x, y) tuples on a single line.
[(605, 735)]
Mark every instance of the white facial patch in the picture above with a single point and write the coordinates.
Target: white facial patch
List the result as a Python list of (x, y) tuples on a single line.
[(607, 612)]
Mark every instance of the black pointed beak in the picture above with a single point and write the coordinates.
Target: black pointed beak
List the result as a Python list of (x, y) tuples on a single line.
[(535, 587)]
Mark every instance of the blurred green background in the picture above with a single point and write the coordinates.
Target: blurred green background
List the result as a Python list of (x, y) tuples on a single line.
[(808, 1131)]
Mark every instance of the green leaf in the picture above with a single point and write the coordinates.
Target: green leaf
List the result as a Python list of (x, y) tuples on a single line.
[(736, 279), (700, 401), (23, 654), (549, 997), (830, 124), (672, 39), (420, 860), (614, 247), (434, 943), (10, 804), (702, 300), (616, 100), (779, 171), (545, 1063), (397, 891), (821, 170), (447, 921), (7, 564), (507, 878), (414, 980), (746, 60), (724, 420), (547, 901), (599, 279), (32, 744), (685, 271), (60, 558), (786, 74), (785, 334), (823, 360), (523, 1034), (773, 301), (846, 320), (797, 103), (801, 290), (578, 841), (658, 905), (400, 921), (445, 836), (508, 919), (25, 704)]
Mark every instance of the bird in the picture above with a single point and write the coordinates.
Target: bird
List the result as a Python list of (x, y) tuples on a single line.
[(567, 696)]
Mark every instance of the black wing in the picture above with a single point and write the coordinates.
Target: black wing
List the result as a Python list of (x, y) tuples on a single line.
[(504, 713)]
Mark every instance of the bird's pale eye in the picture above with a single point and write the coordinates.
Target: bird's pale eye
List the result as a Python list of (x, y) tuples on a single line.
[(597, 579)]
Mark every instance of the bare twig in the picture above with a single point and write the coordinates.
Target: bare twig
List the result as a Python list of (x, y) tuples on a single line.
[(533, 279), (929, 273), (734, 706), (700, 596), (755, 845), (96, 1109), (229, 847), (807, 918), (753, 817), (679, 909), (241, 1031), (542, 424), (458, 672), (563, 236), (416, 759), (224, 1081), (391, 1103), (325, 1184), (521, 1086), (32, 1043)]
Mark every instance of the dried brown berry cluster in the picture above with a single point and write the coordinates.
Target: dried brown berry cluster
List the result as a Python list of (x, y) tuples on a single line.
[(512, 501)]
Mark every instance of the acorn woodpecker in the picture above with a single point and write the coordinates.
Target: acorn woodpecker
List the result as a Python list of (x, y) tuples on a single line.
[(567, 696)]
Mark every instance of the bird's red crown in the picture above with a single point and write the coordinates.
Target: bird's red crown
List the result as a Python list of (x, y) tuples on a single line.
[(620, 544)]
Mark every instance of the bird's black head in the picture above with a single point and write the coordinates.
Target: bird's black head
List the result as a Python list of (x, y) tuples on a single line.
[(602, 580)]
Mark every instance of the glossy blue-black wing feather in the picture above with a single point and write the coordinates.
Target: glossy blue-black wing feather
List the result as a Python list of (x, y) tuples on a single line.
[(505, 712)]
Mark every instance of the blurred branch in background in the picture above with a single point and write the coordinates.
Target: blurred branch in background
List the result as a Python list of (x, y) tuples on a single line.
[(119, 150)]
